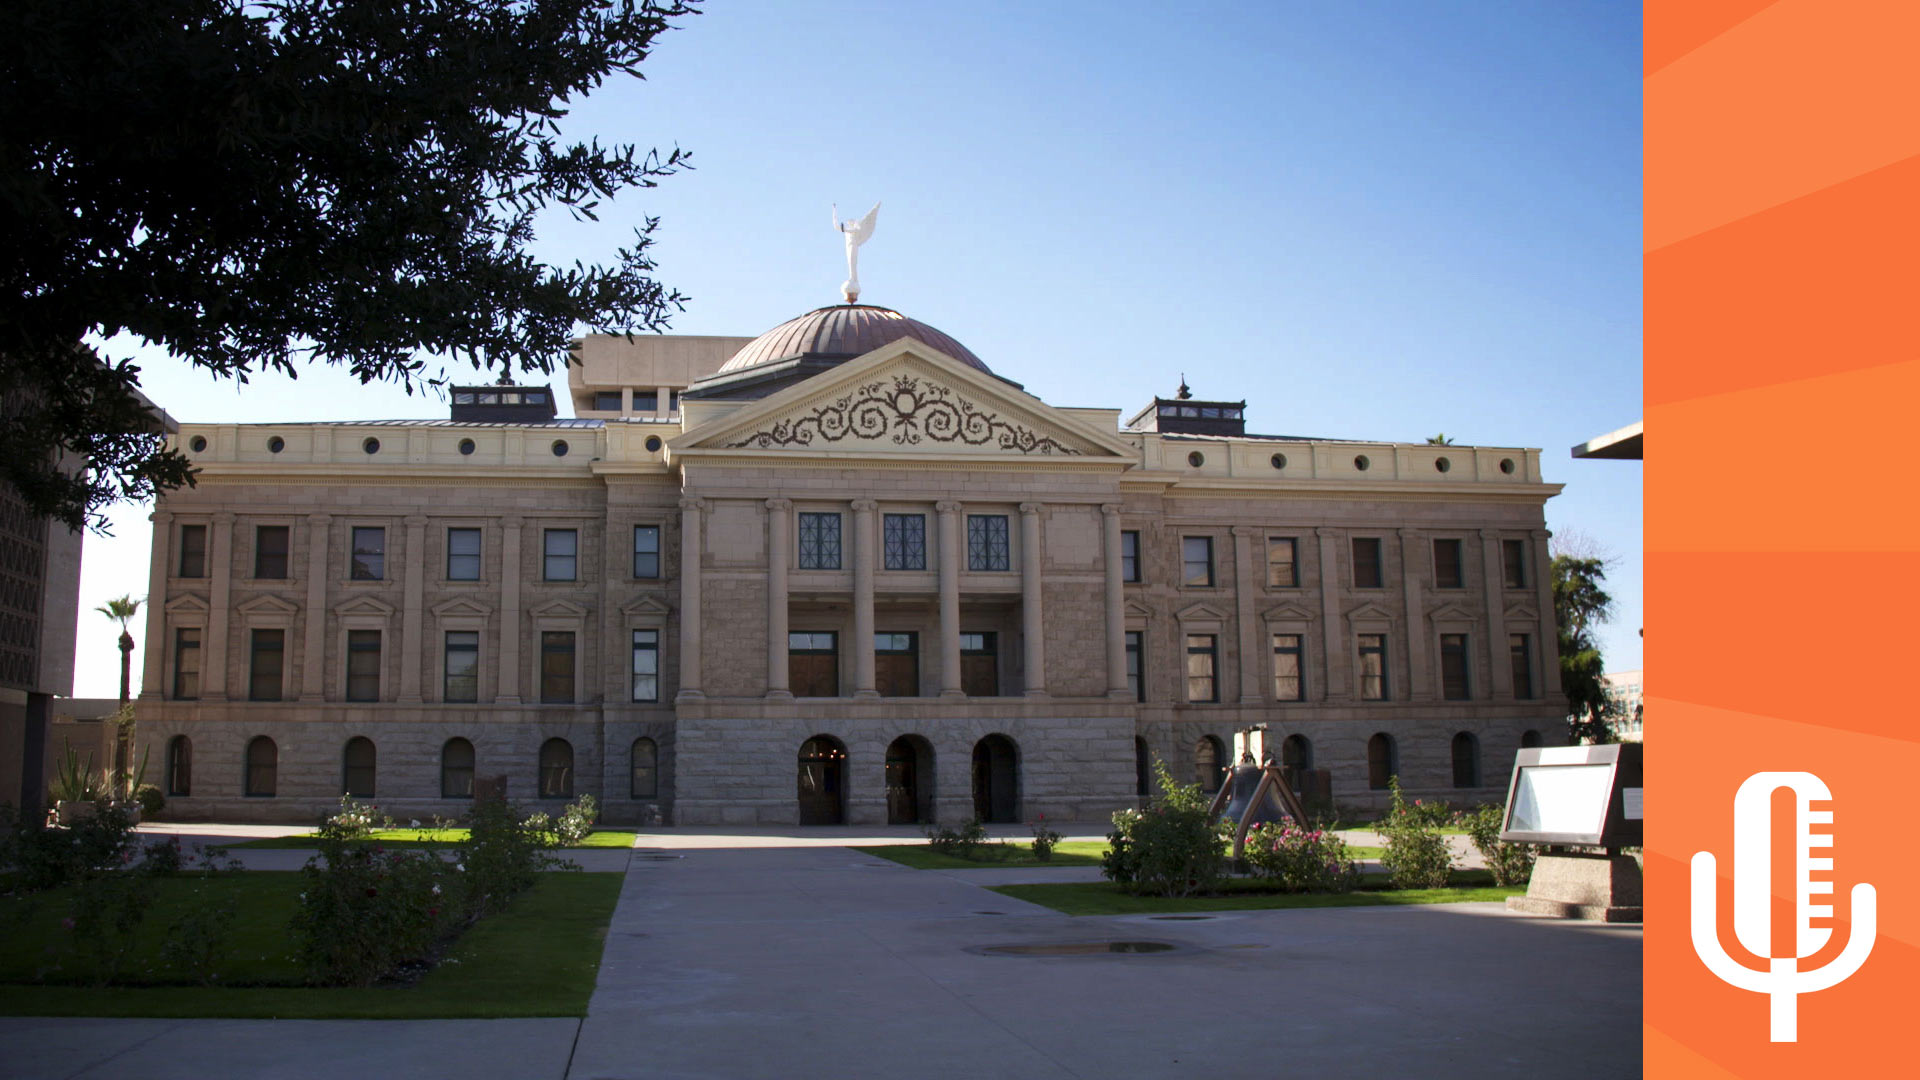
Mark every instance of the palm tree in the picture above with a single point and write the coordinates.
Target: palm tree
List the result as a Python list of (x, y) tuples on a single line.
[(122, 608), (1442, 439)]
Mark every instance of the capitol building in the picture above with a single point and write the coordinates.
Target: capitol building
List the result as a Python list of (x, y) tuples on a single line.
[(841, 572)]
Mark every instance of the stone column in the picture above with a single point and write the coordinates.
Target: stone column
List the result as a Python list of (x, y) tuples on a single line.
[(414, 590), (1497, 649), (1331, 624), (313, 664), (1420, 687), (863, 680), (1032, 626), (153, 664), (950, 554), (662, 402), (1549, 634), (1116, 604), (1245, 540), (778, 684), (690, 560), (508, 690), (213, 677)]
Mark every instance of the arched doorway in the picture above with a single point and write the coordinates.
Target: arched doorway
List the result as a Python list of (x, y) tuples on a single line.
[(1142, 769), (823, 781), (909, 781), (1529, 739), (1209, 764), (1383, 761), (1466, 760), (996, 780)]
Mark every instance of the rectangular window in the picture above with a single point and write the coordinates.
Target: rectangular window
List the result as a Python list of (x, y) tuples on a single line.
[(903, 540), (646, 401), (819, 541), (1129, 556), (1454, 683), (369, 554), (646, 665), (562, 552), (462, 682), (1136, 682), (1196, 557), (270, 551), (1513, 559), (463, 554), (556, 667), (1449, 572), (1283, 570), (987, 542), (1373, 666), (646, 551), (1287, 684), (1367, 573), (186, 663), (1202, 654), (813, 663), (265, 665), (979, 664), (193, 551), (1520, 647), (896, 665), (363, 665), (606, 400)]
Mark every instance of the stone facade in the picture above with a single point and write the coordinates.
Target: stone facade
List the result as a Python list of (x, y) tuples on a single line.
[(980, 530)]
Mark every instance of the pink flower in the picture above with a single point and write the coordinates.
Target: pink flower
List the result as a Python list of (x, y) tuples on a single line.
[(66, 923)]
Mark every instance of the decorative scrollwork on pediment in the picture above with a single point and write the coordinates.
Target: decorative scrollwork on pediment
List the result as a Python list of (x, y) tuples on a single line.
[(906, 413)]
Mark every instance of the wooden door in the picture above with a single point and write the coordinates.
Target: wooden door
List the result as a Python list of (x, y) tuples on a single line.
[(896, 665), (979, 665)]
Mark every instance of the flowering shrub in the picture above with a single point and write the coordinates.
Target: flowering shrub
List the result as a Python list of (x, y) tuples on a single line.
[(1043, 839), (502, 855), (365, 910), (356, 820), (575, 822), (1416, 855), (964, 842), (1170, 848), (1510, 863), (47, 858), (1293, 859)]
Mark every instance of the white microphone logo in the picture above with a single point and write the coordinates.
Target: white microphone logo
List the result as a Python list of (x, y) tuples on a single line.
[(1753, 896)]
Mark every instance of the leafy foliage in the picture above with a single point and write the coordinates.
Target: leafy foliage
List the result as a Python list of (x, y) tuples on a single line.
[(964, 842), (1293, 859), (1510, 863), (1580, 604), (256, 186), (1171, 848), (1416, 855), (1044, 838)]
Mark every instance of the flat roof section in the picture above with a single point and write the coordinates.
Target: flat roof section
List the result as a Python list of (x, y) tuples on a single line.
[(1621, 445)]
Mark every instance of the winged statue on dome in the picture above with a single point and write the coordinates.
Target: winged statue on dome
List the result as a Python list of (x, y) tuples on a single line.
[(857, 233)]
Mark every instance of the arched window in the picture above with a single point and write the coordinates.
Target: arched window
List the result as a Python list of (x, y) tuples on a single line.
[(1466, 761), (179, 765), (263, 767), (996, 779), (357, 780), (646, 769), (1383, 760), (823, 781), (456, 769), (1142, 769), (1208, 772), (556, 769), (1529, 739), (1296, 753)]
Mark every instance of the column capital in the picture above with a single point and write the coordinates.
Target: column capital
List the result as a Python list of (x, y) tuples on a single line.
[(161, 517), (779, 506), (1245, 531), (947, 506), (1489, 534), (1326, 532), (1408, 534), (314, 519), (415, 520), (513, 521), (1029, 509), (1541, 534), (692, 502), (1110, 509), (865, 506), (224, 517)]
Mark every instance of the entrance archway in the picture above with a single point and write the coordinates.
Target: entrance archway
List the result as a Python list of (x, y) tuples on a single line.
[(996, 780), (909, 781), (823, 781)]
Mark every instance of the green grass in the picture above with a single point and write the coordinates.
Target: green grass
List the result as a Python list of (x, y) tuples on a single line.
[(1105, 898), (923, 857), (429, 838), (537, 958)]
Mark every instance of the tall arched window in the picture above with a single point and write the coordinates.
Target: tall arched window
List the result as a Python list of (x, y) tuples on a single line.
[(456, 769), (1142, 769), (1466, 761), (1529, 738), (556, 769), (1296, 753), (263, 767), (646, 769), (357, 776), (1383, 760), (1208, 771), (179, 765)]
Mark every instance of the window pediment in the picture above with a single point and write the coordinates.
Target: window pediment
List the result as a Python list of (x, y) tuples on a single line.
[(267, 606), (1288, 612), (560, 609), (186, 605), (646, 606), (371, 607), (1201, 612), (1450, 613), (1370, 612), (461, 608)]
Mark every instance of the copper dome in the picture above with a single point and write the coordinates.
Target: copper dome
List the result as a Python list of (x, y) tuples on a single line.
[(843, 332)]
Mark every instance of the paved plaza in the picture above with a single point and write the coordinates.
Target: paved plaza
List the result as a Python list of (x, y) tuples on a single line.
[(752, 954)]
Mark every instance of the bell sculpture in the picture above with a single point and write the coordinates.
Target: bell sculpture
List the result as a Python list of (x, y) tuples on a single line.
[(1255, 794)]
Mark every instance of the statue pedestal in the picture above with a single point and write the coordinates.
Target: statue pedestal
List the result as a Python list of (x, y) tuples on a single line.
[(1603, 888)]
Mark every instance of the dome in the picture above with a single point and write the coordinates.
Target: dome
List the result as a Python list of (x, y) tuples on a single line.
[(842, 332)]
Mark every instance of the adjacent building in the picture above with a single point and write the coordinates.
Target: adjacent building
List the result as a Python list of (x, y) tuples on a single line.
[(843, 571)]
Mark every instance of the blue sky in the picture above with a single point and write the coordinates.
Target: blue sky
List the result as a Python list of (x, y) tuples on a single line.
[(1370, 220)]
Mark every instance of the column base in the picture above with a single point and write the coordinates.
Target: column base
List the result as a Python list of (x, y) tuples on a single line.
[(953, 695), (1120, 693), (1039, 692), (866, 695), (414, 700), (689, 695), (779, 695), (507, 699)]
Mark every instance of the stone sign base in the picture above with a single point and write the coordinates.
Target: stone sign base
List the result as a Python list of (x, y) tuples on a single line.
[(1603, 888)]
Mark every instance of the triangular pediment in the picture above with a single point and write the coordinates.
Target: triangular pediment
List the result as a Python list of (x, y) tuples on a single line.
[(560, 609), (905, 398), (186, 605), (646, 605), (267, 605), (1369, 610), (1287, 610), (1521, 613), (1137, 610), (1450, 613), (365, 605), (461, 607), (1200, 612)]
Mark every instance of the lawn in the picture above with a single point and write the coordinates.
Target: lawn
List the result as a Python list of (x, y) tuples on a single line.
[(537, 958), (430, 838), (1105, 898), (1065, 853)]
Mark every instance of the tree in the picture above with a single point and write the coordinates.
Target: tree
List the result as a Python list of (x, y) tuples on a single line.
[(255, 186), (1580, 604), (123, 608), (1442, 439)]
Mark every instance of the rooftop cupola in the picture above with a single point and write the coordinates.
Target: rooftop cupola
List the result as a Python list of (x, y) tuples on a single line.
[(503, 404), (1182, 414)]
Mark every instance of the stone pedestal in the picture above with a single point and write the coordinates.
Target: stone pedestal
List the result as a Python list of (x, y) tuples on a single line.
[(1603, 888)]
